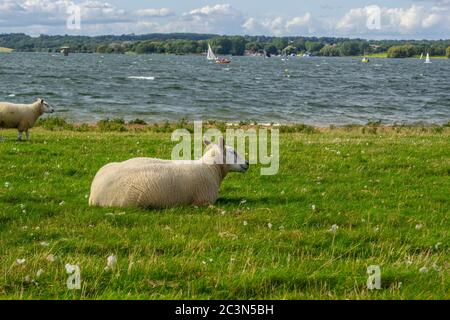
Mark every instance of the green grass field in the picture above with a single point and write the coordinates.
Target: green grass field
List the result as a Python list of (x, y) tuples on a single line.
[(268, 237)]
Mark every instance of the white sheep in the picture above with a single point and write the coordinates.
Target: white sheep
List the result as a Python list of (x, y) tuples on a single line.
[(156, 183), (22, 116)]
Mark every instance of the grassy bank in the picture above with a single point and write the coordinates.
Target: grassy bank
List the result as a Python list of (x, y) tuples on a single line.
[(386, 190), (5, 50), (384, 55)]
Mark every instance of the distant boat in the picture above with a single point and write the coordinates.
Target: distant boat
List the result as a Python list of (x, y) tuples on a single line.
[(365, 59), (213, 57), (427, 60), (306, 55)]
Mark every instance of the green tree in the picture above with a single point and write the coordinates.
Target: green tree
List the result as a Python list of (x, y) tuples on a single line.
[(222, 45), (145, 47), (351, 48), (404, 51), (238, 46), (313, 46), (270, 48), (447, 52), (279, 43), (254, 46), (330, 51)]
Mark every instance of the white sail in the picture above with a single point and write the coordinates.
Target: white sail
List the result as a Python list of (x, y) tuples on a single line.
[(211, 55), (428, 58), (421, 56)]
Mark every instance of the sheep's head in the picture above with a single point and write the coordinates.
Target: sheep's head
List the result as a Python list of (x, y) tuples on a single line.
[(45, 107), (225, 155)]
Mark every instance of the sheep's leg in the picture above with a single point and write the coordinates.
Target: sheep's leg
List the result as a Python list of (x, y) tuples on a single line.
[(19, 136)]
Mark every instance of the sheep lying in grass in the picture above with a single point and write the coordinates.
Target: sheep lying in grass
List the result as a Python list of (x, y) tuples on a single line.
[(156, 183), (22, 116)]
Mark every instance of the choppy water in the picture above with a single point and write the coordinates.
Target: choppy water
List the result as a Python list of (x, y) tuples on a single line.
[(321, 91)]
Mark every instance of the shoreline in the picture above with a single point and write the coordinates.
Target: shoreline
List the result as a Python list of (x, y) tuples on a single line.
[(168, 126), (382, 55)]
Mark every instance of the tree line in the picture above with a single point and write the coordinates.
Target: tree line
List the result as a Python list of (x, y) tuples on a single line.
[(189, 43)]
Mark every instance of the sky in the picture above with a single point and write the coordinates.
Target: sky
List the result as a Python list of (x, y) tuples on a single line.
[(373, 19)]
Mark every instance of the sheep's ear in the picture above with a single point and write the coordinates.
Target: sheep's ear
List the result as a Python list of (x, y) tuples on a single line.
[(221, 143), (206, 142)]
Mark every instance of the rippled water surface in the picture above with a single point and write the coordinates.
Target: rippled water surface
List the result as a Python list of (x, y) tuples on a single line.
[(321, 91)]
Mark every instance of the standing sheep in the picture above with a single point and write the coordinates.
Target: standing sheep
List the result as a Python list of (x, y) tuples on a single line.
[(155, 183), (22, 116)]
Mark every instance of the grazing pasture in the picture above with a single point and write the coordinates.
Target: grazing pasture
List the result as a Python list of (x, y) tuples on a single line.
[(344, 199)]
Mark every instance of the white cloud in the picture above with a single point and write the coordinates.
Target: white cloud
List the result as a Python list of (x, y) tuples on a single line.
[(162, 12), (280, 26), (98, 17), (417, 20)]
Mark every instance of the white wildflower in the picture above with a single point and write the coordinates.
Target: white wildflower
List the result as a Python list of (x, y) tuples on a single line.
[(270, 225), (419, 226), (334, 228), (111, 263), (423, 270), (436, 267), (51, 258), (245, 223), (7, 184), (44, 244), (20, 261), (62, 203), (39, 273)]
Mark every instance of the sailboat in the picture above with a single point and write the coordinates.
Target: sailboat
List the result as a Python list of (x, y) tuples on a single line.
[(421, 56), (365, 59), (212, 56), (427, 60)]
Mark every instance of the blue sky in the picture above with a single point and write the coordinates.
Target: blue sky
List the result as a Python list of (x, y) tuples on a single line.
[(401, 19)]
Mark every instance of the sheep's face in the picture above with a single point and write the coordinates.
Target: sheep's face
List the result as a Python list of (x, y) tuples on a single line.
[(226, 155), (45, 107)]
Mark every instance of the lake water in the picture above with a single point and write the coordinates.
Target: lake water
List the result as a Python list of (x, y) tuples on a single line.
[(320, 91)]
